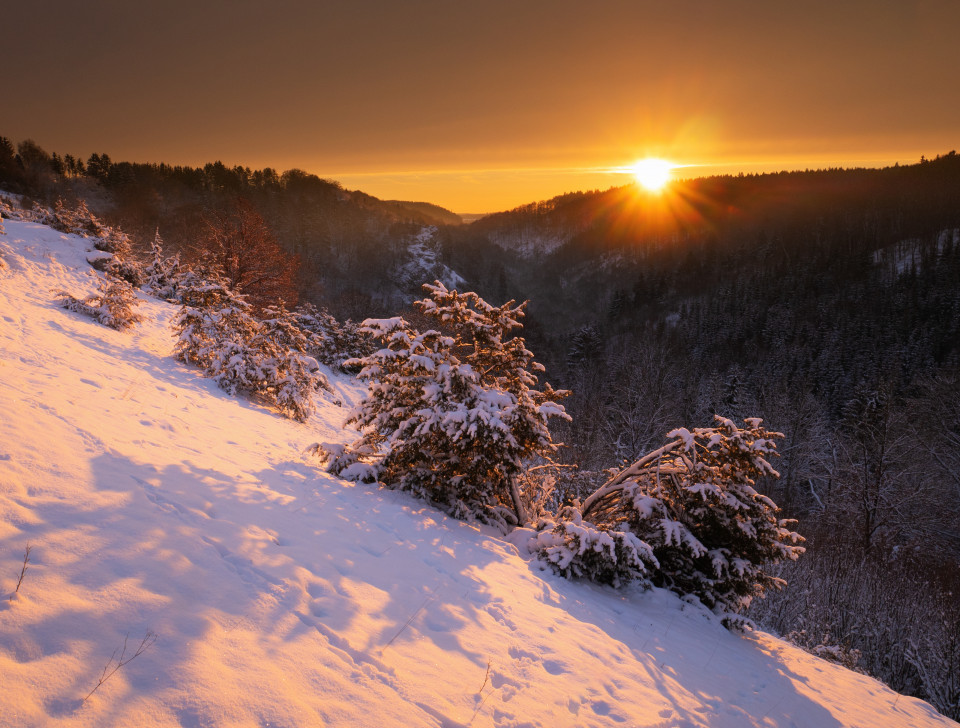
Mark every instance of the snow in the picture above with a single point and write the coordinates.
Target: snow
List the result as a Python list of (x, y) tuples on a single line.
[(913, 254), (422, 262), (282, 596)]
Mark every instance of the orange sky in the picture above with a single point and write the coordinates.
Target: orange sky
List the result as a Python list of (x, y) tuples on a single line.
[(485, 106)]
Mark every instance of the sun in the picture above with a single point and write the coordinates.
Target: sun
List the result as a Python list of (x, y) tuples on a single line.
[(652, 174)]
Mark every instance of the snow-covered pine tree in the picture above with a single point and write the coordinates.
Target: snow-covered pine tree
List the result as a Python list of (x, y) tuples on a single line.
[(575, 548), (290, 375), (113, 240), (112, 306), (454, 418), (217, 332), (693, 501), (122, 263), (330, 341), (213, 329), (78, 221), (162, 276), (38, 214)]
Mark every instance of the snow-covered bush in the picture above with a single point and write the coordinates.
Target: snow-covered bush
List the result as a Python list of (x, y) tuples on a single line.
[(576, 549), (693, 502), (7, 209), (112, 306), (454, 418), (162, 277), (217, 332), (78, 221), (330, 341)]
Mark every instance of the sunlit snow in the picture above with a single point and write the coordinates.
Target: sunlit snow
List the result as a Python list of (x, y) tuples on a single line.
[(282, 596)]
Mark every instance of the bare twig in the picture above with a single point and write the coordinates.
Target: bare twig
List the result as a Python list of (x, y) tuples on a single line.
[(148, 639), (485, 678), (26, 560), (407, 623), (480, 704)]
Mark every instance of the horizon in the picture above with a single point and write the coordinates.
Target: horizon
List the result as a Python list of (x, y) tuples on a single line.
[(401, 186), (482, 108)]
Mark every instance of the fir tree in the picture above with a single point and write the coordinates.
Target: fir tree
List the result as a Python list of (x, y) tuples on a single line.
[(267, 359), (454, 418), (330, 341), (78, 221), (112, 306), (693, 502), (162, 276)]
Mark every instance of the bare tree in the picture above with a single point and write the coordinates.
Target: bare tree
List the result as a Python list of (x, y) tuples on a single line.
[(238, 243)]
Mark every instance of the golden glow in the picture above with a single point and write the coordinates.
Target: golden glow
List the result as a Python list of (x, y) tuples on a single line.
[(652, 174)]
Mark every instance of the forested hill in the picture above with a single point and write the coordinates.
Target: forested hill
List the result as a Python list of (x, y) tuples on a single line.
[(891, 202), (740, 267), (350, 244)]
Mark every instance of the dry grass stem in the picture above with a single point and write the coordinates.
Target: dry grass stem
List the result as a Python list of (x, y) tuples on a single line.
[(110, 668)]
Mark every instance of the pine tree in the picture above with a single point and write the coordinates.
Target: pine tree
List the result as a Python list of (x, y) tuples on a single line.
[(212, 328), (112, 306), (163, 275), (78, 221), (330, 341), (267, 359), (290, 376), (453, 417), (693, 502)]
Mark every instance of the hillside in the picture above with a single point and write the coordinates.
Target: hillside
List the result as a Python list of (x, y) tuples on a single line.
[(155, 504), (433, 214)]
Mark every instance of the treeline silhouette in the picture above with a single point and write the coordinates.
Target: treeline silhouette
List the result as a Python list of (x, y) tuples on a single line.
[(348, 242)]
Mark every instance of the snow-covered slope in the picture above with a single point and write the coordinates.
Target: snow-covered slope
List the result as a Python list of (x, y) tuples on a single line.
[(281, 596)]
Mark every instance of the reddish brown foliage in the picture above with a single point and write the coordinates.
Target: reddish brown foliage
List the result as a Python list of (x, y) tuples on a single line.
[(239, 243)]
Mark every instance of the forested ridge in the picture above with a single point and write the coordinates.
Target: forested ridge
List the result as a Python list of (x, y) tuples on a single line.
[(825, 302)]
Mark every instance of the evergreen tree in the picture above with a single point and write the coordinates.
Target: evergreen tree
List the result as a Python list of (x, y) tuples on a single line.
[(78, 221), (112, 306), (268, 359), (454, 418), (330, 341), (693, 502), (163, 275)]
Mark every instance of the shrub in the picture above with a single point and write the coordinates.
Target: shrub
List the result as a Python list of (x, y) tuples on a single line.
[(693, 503), (112, 306), (217, 332)]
